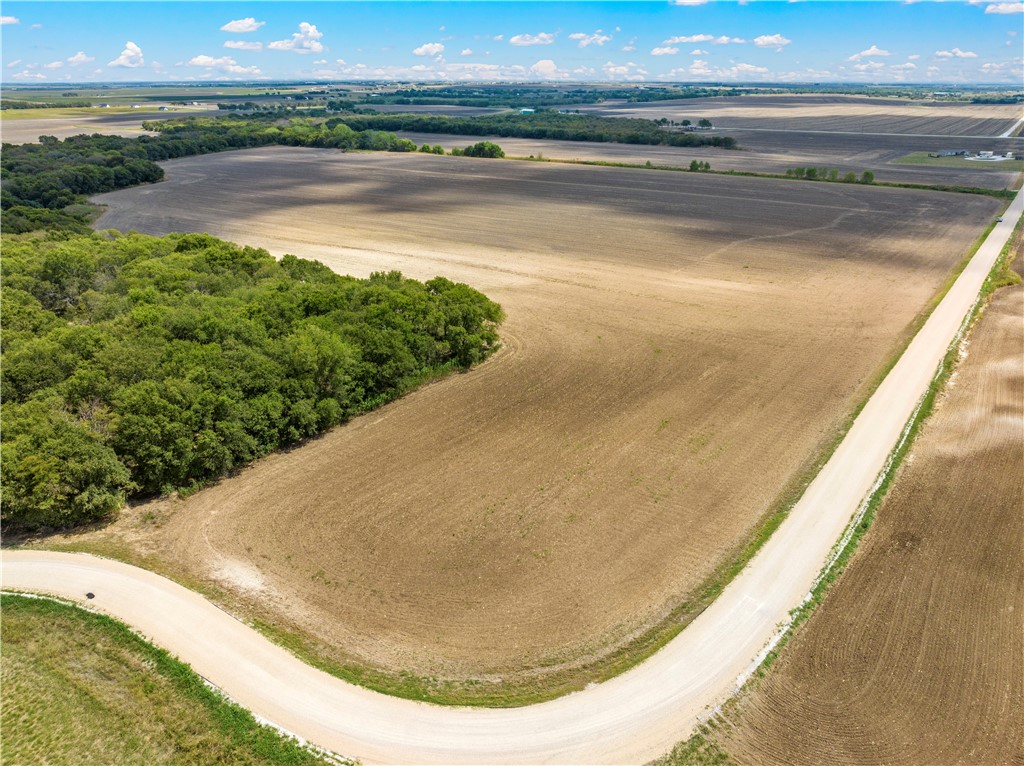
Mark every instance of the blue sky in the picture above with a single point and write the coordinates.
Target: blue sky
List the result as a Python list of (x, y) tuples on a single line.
[(691, 40)]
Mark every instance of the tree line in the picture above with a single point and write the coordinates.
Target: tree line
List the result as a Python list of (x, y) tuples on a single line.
[(43, 182), (543, 124), (134, 365)]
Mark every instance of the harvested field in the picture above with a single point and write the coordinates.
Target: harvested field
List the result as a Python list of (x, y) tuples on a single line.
[(27, 131), (917, 654), (834, 114), (775, 152), (676, 347)]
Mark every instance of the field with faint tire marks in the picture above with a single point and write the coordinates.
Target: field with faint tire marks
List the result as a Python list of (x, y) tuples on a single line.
[(917, 655), (677, 348)]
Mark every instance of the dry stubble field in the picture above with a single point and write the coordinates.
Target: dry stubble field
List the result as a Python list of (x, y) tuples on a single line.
[(917, 655), (832, 113), (677, 347)]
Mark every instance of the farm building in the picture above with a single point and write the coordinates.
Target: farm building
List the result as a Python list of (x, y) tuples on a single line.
[(527, 111), (949, 153)]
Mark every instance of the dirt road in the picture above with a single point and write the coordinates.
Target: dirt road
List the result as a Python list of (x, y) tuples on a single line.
[(631, 718)]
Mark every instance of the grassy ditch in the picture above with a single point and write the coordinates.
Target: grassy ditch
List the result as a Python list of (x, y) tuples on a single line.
[(702, 749), (81, 687)]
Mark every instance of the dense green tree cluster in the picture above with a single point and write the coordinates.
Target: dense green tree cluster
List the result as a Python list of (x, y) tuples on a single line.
[(134, 364), (541, 124), (482, 149)]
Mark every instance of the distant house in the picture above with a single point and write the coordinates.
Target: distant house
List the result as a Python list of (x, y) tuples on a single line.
[(103, 106), (165, 109), (985, 154), (527, 111), (949, 153)]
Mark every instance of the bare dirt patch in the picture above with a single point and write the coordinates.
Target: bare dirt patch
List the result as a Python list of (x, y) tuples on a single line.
[(829, 113), (676, 347), (916, 657)]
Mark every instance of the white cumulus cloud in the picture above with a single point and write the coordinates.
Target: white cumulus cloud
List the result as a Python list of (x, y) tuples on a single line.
[(224, 63), (719, 40), (80, 58), (910, 66), (874, 50), (5, 20), (243, 45), (306, 40), (547, 69), (956, 53), (466, 52), (131, 57), (242, 25), (14, 63), (1004, 8), (542, 38), (666, 50), (778, 42), (689, 2), (597, 38), (53, 65), (27, 75), (698, 52), (429, 49)]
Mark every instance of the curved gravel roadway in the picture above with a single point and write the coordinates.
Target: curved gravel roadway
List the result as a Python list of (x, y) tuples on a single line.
[(629, 719)]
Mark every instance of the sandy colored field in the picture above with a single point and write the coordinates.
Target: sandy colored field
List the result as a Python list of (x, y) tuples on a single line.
[(676, 347), (917, 656), (776, 152), (18, 130), (832, 113)]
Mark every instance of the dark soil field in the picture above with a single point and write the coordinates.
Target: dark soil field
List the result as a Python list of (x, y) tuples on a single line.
[(677, 348), (917, 656), (774, 152), (834, 114)]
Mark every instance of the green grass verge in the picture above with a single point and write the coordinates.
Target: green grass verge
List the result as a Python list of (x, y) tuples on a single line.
[(702, 749), (922, 158), (81, 687)]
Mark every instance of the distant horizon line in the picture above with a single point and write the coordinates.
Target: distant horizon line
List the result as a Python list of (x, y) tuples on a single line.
[(478, 83)]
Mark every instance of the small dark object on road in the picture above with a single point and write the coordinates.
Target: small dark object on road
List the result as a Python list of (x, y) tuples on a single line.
[(90, 595)]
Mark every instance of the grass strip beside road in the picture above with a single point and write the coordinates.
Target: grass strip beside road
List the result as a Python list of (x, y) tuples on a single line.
[(81, 687)]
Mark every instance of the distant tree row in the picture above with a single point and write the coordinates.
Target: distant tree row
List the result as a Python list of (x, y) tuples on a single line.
[(41, 181), (133, 365), (831, 174), (543, 124)]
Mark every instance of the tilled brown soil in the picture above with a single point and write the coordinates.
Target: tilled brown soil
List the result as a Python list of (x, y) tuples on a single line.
[(676, 348), (917, 655), (830, 113), (774, 152)]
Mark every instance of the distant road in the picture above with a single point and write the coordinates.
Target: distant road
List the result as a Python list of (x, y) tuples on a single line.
[(1009, 133), (629, 719)]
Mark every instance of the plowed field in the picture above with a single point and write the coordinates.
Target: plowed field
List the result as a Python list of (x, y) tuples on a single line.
[(777, 152), (917, 656), (828, 113), (676, 348)]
